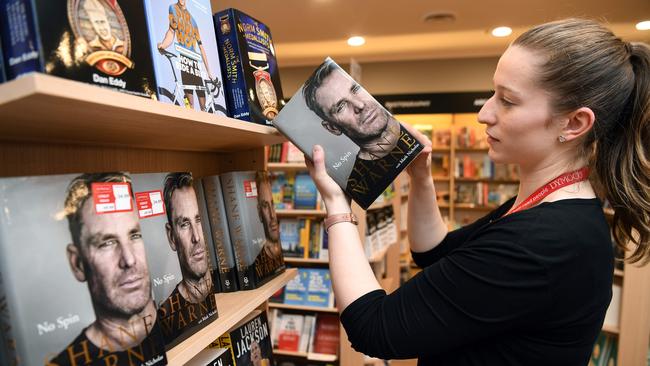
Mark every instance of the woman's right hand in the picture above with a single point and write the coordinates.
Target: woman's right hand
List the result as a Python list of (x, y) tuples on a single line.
[(336, 201), (420, 167)]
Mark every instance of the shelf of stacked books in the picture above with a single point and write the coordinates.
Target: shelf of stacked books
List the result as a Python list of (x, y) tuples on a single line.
[(232, 307), (39, 107)]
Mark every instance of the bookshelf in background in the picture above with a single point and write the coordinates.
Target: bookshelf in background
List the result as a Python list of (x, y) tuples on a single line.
[(305, 245)]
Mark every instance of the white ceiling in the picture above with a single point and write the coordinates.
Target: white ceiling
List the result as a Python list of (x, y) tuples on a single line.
[(305, 31)]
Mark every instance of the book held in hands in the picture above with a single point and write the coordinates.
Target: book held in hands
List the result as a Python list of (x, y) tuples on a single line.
[(365, 146)]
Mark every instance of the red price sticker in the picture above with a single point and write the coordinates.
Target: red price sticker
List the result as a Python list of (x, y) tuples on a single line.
[(149, 204), (111, 197), (250, 189)]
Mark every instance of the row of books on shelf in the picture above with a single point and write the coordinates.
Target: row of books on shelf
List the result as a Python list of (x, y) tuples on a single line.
[(304, 238), (311, 287), (248, 343), (317, 335), (149, 249), (285, 152), (174, 51), (467, 166), (605, 351), (293, 190), (465, 137), (484, 194), (381, 230)]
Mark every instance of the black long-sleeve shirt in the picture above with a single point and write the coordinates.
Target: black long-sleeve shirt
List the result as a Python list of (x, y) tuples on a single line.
[(531, 288)]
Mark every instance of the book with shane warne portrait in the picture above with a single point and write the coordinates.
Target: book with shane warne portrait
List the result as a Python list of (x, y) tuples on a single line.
[(365, 146)]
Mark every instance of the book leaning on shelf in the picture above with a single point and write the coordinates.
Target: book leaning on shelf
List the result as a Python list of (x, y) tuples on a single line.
[(253, 226), (73, 255), (249, 341), (365, 146), (185, 56), (182, 269)]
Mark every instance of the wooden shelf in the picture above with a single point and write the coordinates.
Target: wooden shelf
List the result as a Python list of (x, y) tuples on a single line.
[(378, 205), (232, 307), (45, 108), (380, 254), (296, 261), (440, 150), (473, 207), (319, 213), (618, 273), (303, 308), (486, 180), (471, 149), (308, 355), (286, 166), (611, 329)]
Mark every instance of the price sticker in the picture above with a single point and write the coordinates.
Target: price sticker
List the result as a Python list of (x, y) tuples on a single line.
[(150, 204), (250, 189), (110, 197)]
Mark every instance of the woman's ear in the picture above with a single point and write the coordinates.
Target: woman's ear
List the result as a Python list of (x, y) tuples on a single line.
[(578, 123)]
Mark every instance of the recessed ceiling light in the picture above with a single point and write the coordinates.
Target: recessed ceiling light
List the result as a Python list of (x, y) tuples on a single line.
[(644, 25), (501, 31), (356, 41)]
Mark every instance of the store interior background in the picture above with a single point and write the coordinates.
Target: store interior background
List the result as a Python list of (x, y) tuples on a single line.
[(404, 53)]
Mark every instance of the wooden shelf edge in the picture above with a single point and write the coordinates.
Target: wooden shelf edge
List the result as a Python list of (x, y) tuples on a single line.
[(286, 166), (290, 260), (232, 307), (379, 255), (281, 352), (297, 212), (376, 206), (311, 356), (73, 112), (305, 308)]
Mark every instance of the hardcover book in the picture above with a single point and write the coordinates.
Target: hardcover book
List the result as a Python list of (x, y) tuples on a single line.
[(254, 227), (319, 288), (184, 53), (247, 55), (365, 146), (181, 268), (250, 341), (213, 356), (221, 242), (100, 42), (73, 257), (3, 76)]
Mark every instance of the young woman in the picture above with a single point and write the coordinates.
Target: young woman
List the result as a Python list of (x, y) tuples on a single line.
[(530, 282)]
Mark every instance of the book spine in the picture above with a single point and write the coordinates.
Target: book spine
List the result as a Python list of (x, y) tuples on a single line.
[(20, 38), (232, 64), (232, 192), (207, 233), (219, 232)]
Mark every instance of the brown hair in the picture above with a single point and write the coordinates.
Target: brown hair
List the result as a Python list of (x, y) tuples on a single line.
[(586, 65)]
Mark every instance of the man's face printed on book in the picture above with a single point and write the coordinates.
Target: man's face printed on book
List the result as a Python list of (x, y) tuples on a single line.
[(114, 259), (351, 108), (187, 233)]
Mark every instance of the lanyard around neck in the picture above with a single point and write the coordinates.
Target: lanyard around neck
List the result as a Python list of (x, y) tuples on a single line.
[(562, 181)]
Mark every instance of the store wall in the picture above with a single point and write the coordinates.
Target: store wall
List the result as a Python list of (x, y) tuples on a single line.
[(407, 77)]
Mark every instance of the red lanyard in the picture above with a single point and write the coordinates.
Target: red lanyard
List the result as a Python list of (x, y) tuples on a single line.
[(563, 180)]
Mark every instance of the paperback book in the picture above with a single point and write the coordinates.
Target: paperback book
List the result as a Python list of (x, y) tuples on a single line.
[(73, 256), (100, 42), (184, 52), (365, 146), (247, 55), (182, 271), (254, 227)]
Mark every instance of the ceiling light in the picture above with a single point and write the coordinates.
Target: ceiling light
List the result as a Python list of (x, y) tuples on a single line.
[(644, 25), (501, 31), (356, 41)]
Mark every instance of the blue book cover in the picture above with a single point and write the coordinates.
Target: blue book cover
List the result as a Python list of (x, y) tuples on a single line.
[(3, 77), (250, 67), (290, 238), (305, 192), (100, 42), (295, 292), (184, 52), (319, 288)]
